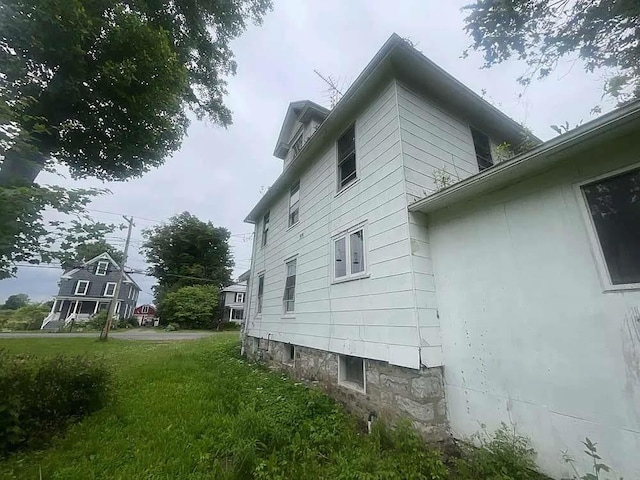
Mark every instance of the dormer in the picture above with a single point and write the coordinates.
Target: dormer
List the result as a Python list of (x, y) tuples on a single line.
[(300, 122)]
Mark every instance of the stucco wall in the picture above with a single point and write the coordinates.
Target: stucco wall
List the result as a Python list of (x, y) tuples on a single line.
[(529, 335)]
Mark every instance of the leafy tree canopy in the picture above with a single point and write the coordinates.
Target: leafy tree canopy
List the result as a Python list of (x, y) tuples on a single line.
[(605, 34), (89, 250), (104, 86), (16, 301), (191, 307), (187, 251)]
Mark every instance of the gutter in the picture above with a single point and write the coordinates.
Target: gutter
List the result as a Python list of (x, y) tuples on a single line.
[(599, 126)]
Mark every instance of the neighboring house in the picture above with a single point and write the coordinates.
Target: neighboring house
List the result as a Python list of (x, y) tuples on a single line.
[(145, 314), (89, 289), (232, 302), (511, 296)]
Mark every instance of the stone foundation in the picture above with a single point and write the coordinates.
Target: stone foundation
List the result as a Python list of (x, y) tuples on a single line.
[(391, 392)]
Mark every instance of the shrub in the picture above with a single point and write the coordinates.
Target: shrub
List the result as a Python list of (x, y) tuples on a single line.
[(503, 455), (41, 397), (172, 327), (231, 326), (98, 321)]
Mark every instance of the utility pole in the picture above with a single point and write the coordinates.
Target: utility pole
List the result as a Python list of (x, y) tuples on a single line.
[(116, 292)]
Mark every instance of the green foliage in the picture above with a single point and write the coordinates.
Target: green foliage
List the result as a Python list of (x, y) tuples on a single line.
[(98, 321), (29, 317), (104, 86), (503, 455), (597, 465), (191, 307), (87, 251), (187, 251), (16, 301), (541, 32), (40, 397)]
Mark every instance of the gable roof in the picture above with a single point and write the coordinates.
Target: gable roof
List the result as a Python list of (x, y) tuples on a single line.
[(396, 59), (612, 125), (102, 256), (302, 110), (236, 287)]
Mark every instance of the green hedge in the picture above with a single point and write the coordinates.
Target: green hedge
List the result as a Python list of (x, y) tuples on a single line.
[(40, 397)]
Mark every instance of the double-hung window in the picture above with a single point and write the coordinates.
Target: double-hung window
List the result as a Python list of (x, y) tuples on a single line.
[(260, 292), (145, 309), (289, 298), (349, 254), (109, 289), (482, 148), (82, 287), (347, 158), (265, 228), (102, 267), (294, 201), (239, 297), (613, 205)]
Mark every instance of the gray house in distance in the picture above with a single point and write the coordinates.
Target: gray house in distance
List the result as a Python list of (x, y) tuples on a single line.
[(89, 289)]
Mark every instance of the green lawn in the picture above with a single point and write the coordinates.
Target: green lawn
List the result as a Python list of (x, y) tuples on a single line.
[(194, 410)]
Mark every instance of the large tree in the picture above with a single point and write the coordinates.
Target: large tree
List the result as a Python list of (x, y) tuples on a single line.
[(187, 251), (604, 34), (103, 86), (16, 301), (89, 250)]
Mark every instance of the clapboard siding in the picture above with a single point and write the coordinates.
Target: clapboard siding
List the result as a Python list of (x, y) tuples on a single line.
[(373, 317)]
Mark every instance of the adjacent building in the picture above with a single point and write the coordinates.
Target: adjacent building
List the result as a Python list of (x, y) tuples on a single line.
[(407, 258), (89, 289), (232, 299), (146, 315)]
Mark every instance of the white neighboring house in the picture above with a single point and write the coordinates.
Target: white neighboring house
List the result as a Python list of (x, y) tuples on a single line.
[(233, 301), (511, 296)]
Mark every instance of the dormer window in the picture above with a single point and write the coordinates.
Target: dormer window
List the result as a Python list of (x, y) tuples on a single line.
[(102, 267), (347, 158), (297, 145)]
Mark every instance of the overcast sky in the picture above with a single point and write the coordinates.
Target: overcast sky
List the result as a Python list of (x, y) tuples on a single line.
[(218, 174)]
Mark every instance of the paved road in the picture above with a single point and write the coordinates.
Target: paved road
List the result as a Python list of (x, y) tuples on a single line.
[(142, 334)]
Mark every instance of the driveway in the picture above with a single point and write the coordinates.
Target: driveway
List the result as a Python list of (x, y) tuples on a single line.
[(138, 334)]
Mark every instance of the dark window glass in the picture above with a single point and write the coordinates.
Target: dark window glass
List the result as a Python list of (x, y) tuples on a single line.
[(265, 228), (483, 149), (347, 157), (292, 352), (290, 287), (354, 370), (260, 292), (614, 204), (341, 257), (357, 252), (294, 200)]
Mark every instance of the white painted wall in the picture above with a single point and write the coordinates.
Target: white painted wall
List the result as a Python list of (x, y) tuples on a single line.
[(373, 317), (529, 336)]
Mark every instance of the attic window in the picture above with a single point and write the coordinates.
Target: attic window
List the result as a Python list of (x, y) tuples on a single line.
[(297, 145), (483, 149), (102, 267), (347, 157)]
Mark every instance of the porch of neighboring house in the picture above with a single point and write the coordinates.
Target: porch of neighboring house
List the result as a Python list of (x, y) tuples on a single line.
[(79, 310), (233, 312)]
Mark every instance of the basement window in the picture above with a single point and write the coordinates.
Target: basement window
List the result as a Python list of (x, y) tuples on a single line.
[(614, 206), (347, 158), (483, 149), (351, 372)]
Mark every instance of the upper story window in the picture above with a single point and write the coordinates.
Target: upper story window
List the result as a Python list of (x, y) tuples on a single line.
[(239, 297), (297, 145), (483, 149), (145, 309), (289, 298), (109, 289), (102, 267), (260, 292), (349, 254), (614, 207), (347, 157), (294, 200), (265, 228), (82, 287)]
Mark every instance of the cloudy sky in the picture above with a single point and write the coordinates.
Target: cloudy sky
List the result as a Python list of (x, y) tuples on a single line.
[(218, 174)]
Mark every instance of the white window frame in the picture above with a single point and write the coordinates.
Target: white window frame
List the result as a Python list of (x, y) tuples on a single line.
[(265, 229), (594, 240), (340, 188), (260, 297), (106, 269), (342, 381), (240, 296), (297, 204), (144, 309), (346, 234), (86, 287), (286, 312), (106, 289)]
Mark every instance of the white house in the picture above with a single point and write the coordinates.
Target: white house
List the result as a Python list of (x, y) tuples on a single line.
[(510, 296)]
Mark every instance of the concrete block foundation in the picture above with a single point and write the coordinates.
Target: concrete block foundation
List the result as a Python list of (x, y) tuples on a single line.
[(390, 392)]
